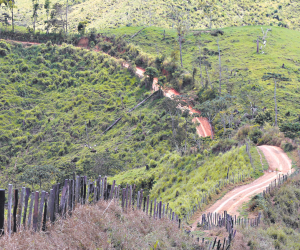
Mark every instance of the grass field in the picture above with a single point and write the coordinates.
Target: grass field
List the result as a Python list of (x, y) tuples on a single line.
[(116, 13)]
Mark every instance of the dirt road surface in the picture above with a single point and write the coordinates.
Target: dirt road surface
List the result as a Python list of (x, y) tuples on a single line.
[(232, 201)]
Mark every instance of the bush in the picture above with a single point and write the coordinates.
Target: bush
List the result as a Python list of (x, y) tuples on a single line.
[(287, 147), (3, 52), (255, 134)]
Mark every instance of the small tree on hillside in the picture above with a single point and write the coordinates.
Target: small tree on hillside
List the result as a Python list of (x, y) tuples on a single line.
[(47, 8), (35, 7), (211, 108), (180, 18), (276, 78), (151, 73), (39, 174)]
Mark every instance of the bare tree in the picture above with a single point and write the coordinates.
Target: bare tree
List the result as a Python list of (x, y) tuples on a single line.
[(181, 21), (276, 77)]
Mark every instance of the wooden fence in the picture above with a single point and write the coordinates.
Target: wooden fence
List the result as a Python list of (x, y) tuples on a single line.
[(32, 210)]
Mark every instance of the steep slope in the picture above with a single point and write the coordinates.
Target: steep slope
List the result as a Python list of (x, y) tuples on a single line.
[(57, 101)]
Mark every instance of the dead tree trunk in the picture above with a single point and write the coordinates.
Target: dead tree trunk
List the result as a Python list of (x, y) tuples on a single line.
[(276, 111)]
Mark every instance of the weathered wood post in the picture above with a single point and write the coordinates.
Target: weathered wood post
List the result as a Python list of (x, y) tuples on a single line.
[(45, 212), (26, 206), (40, 215), (30, 210), (52, 205), (16, 199), (36, 211), (9, 205), (2, 205), (20, 207)]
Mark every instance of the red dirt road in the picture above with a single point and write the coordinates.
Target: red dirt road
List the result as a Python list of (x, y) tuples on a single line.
[(232, 201), (203, 129)]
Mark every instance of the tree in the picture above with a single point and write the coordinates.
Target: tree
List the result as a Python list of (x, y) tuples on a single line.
[(211, 108), (105, 164), (275, 77), (180, 18), (39, 174), (161, 82), (35, 7), (10, 4), (47, 8), (151, 73)]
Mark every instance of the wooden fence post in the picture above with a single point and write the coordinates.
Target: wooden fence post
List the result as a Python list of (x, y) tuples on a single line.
[(20, 208), (45, 212), (52, 205), (9, 205), (40, 213), (2, 205), (154, 212), (16, 199), (36, 210), (26, 206), (30, 210), (147, 207)]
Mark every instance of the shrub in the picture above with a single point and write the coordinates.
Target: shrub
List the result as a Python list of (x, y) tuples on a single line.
[(3, 52), (255, 134), (286, 146)]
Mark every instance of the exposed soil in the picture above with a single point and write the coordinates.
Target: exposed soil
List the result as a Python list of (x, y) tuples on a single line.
[(279, 163)]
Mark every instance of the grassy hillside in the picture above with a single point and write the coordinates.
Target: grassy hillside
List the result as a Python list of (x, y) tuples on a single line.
[(116, 13), (56, 101), (242, 67)]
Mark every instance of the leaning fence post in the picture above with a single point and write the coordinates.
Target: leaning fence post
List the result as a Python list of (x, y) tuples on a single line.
[(9, 204), (2, 205)]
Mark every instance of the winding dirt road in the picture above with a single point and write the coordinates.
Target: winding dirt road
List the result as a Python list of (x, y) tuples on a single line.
[(203, 129), (232, 201)]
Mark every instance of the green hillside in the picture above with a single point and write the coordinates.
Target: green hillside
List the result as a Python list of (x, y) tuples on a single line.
[(242, 67), (116, 13)]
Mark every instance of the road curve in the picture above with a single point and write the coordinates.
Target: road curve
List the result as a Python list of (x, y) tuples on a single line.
[(232, 201), (203, 129)]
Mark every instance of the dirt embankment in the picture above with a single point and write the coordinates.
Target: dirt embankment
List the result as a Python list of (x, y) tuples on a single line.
[(279, 164)]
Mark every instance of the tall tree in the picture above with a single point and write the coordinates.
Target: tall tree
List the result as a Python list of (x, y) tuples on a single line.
[(276, 78), (47, 8), (10, 4), (35, 7), (180, 19)]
